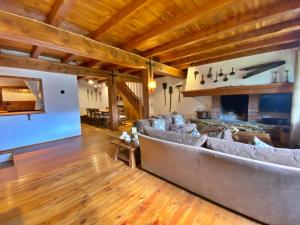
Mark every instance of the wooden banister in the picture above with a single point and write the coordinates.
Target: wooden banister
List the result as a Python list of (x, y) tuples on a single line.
[(131, 97)]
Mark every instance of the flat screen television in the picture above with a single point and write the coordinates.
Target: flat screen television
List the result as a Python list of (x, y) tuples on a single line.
[(281, 103)]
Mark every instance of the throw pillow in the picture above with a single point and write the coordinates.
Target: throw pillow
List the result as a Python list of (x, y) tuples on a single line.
[(257, 142), (195, 133), (178, 120), (287, 157), (159, 124)]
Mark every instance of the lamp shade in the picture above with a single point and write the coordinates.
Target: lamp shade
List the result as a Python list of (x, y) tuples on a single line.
[(152, 84)]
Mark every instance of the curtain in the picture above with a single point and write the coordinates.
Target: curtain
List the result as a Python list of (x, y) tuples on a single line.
[(34, 87), (295, 114)]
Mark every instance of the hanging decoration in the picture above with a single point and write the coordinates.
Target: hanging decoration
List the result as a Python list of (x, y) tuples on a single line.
[(170, 92), (196, 74), (225, 78), (88, 94), (165, 86), (232, 72), (221, 73), (209, 75), (179, 91), (202, 80), (216, 80)]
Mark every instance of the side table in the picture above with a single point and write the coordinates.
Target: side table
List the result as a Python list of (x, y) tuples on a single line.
[(125, 151)]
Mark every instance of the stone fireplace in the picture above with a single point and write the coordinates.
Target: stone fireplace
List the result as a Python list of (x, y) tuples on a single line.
[(236, 107)]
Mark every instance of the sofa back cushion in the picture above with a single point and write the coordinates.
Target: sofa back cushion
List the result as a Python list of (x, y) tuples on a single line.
[(158, 124), (176, 137), (140, 124), (287, 157), (168, 119)]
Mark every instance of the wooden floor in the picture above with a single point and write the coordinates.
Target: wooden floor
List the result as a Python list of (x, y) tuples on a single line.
[(76, 181)]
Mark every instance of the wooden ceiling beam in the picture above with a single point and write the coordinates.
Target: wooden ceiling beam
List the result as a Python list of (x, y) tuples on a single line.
[(90, 63), (181, 21), (59, 9), (265, 32), (36, 51), (236, 48), (243, 54), (68, 58), (280, 9), (29, 31), (126, 11), (112, 21), (53, 67)]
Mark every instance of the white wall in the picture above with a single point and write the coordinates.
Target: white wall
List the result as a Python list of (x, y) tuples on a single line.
[(91, 101), (263, 78), (61, 119), (188, 106)]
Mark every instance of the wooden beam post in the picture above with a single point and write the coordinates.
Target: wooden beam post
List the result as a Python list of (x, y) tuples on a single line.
[(112, 101), (295, 113), (146, 102), (15, 28)]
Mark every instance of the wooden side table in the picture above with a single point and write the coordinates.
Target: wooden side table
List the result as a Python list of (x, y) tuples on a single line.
[(127, 155)]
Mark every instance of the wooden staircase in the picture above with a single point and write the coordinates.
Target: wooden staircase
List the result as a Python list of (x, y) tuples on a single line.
[(133, 105)]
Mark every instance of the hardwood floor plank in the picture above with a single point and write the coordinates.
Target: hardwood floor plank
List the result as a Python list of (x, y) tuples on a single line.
[(77, 181)]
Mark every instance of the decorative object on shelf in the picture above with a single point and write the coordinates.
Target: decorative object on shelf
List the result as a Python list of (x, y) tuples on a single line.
[(225, 78), (134, 135), (275, 78), (221, 73), (202, 80), (216, 80), (165, 86), (209, 75), (232, 72), (125, 137), (170, 92), (179, 92), (255, 70), (287, 76), (196, 74)]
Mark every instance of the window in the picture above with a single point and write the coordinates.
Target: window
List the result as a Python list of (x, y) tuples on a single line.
[(20, 95)]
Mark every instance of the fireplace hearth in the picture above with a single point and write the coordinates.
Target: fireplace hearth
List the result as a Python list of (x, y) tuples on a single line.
[(266, 109), (234, 107)]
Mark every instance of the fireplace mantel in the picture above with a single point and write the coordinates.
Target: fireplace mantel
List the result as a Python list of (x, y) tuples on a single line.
[(243, 89)]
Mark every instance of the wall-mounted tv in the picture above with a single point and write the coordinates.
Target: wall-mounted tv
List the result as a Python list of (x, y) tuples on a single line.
[(281, 103)]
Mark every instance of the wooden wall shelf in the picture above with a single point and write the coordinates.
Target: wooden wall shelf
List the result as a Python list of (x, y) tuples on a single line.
[(240, 90)]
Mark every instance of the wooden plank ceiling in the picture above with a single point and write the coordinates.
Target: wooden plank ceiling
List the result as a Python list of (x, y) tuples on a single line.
[(176, 33)]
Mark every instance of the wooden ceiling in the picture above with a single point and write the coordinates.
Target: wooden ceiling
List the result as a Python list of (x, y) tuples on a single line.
[(178, 33)]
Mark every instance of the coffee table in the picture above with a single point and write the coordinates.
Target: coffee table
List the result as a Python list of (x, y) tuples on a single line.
[(126, 152)]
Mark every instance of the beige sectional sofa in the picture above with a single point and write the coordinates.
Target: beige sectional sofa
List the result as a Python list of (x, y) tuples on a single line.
[(266, 192)]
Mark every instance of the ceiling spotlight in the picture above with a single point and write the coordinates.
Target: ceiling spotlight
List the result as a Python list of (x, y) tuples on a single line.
[(91, 82)]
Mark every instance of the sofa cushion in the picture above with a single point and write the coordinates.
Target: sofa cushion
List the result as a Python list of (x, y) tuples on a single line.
[(224, 134), (287, 157), (158, 124), (257, 142), (185, 129), (140, 124), (186, 139), (178, 120), (168, 119)]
